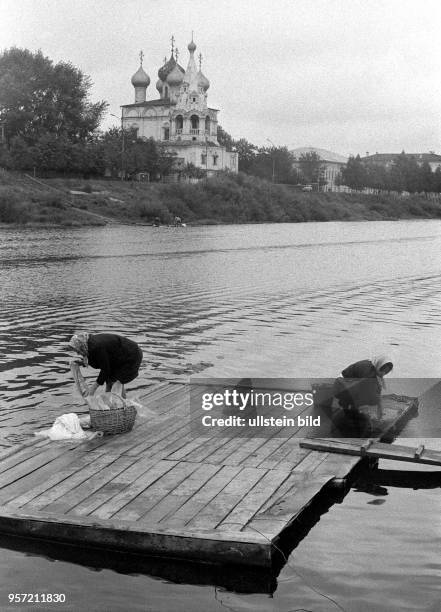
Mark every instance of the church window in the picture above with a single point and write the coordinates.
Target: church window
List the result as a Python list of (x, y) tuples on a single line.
[(179, 121), (215, 157), (207, 124), (203, 159), (194, 124), (166, 133), (166, 92), (193, 99)]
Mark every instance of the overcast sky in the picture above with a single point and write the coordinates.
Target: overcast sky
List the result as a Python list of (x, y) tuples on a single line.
[(346, 75)]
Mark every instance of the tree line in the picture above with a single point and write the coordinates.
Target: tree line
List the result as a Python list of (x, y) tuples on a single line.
[(403, 174), (275, 164)]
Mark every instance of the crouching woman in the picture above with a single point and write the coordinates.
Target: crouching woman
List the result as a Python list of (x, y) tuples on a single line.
[(361, 385), (117, 358)]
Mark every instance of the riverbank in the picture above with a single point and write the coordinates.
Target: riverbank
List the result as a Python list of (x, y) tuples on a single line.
[(224, 199)]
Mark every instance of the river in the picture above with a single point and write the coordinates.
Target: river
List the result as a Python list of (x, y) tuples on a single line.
[(266, 300)]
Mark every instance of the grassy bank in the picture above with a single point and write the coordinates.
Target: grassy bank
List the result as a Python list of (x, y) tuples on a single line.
[(225, 199)]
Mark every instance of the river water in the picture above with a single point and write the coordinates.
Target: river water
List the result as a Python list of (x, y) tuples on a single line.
[(294, 300)]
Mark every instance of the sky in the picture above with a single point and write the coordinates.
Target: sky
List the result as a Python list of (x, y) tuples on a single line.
[(351, 76)]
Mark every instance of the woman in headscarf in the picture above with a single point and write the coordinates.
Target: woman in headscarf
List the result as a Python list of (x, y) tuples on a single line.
[(117, 358), (362, 384)]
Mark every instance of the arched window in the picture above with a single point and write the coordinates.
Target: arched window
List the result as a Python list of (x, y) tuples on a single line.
[(166, 92), (179, 123), (194, 122), (207, 124)]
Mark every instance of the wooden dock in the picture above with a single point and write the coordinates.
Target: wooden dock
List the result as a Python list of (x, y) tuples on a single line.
[(161, 490)]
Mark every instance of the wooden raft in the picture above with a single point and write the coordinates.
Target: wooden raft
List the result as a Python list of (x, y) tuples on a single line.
[(162, 491)]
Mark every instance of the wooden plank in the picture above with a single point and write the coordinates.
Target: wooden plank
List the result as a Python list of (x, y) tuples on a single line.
[(155, 492), (378, 450), (27, 452), (44, 475), (118, 484), (225, 450), (72, 480), (181, 494), (263, 452), (310, 462), (248, 447), (281, 514), (286, 488), (120, 535), (202, 454), (289, 447), (124, 497), (252, 501), (12, 450), (193, 444), (226, 500), (202, 498), (30, 465), (82, 492)]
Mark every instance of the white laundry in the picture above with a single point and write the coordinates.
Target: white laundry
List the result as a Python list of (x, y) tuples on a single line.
[(66, 427)]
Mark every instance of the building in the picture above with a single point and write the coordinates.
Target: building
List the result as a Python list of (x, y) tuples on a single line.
[(331, 165), (180, 118), (387, 160)]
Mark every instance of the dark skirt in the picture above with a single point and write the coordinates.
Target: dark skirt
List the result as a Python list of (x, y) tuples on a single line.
[(127, 371)]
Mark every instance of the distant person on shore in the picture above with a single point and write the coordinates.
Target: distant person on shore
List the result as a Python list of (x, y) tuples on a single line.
[(178, 221), (361, 384), (117, 358), (157, 222)]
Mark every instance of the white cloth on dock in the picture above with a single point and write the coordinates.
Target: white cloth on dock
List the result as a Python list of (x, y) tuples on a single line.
[(67, 427)]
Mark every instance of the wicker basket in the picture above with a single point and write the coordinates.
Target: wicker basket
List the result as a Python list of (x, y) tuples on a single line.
[(113, 421)]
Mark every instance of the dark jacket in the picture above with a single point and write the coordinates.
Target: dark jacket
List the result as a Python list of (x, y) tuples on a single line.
[(359, 385), (116, 357)]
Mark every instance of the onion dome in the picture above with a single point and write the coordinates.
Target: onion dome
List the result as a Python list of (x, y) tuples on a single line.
[(165, 70), (191, 47), (159, 85), (175, 77), (203, 81), (140, 78)]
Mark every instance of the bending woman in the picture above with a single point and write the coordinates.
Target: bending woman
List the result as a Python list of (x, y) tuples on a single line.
[(362, 384), (117, 358)]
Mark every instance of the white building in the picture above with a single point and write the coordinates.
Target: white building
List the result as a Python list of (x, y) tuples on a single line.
[(331, 164), (180, 119)]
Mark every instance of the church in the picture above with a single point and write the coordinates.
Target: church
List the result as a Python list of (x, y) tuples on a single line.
[(180, 118)]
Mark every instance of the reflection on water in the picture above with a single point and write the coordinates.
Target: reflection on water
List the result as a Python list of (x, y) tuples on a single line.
[(295, 300)]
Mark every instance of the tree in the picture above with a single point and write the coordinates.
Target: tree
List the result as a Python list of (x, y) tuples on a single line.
[(224, 138), (311, 167), (39, 97), (354, 174), (247, 154)]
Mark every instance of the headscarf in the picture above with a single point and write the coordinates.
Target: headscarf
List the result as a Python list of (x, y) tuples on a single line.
[(378, 363), (79, 343)]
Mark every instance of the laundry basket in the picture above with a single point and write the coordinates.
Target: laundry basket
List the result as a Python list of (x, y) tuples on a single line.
[(114, 420)]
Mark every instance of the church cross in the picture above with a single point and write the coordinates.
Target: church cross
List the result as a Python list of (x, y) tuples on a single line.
[(172, 40), (200, 61), (176, 53), (141, 56)]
